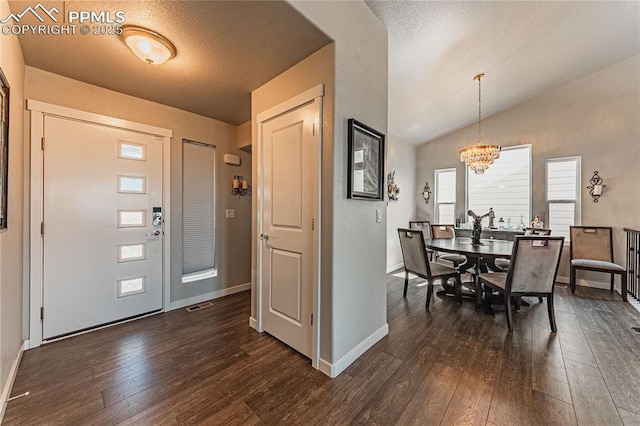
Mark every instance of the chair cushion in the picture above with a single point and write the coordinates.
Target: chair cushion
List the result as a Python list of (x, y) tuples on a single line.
[(502, 263), (498, 279), (438, 269), (601, 264), (453, 258)]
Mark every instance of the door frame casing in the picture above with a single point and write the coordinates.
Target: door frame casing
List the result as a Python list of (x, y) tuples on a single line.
[(315, 96), (38, 110)]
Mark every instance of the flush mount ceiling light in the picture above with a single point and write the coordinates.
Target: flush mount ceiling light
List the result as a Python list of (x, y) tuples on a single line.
[(479, 157), (148, 45)]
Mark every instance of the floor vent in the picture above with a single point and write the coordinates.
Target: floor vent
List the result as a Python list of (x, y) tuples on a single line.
[(636, 329), (199, 306)]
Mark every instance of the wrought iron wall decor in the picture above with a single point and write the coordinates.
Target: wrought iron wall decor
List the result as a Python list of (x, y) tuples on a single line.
[(596, 187), (426, 193), (239, 186), (393, 190)]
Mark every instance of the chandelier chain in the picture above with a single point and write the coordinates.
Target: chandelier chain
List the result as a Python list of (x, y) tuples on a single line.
[(479, 78), (479, 157)]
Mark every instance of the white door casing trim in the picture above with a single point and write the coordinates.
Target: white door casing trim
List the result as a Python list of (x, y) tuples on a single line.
[(38, 111), (315, 95)]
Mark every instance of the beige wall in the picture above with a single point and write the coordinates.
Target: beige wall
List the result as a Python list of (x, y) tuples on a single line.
[(244, 136), (596, 117), (401, 157), (232, 235), (314, 70), (353, 263), (11, 240)]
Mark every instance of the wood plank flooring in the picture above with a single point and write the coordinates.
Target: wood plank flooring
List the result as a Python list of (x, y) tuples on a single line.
[(450, 365)]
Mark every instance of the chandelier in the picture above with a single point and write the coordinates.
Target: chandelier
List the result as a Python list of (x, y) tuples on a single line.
[(479, 157)]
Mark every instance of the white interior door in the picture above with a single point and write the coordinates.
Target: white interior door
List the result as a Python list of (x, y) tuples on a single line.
[(102, 259), (290, 155)]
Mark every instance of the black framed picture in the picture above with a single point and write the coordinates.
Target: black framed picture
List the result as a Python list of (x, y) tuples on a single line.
[(4, 149), (366, 162)]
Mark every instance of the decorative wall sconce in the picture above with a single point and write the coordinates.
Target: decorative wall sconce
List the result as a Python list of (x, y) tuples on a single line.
[(239, 186), (393, 190), (426, 193), (596, 187)]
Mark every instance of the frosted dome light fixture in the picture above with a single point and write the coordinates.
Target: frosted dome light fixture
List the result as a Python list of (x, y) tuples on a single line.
[(149, 46)]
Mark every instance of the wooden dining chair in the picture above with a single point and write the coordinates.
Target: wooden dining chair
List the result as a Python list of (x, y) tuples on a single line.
[(592, 250), (425, 227), (532, 272), (447, 232), (416, 261), (504, 263)]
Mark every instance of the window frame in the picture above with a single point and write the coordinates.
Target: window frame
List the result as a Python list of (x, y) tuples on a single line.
[(436, 204), (508, 148), (577, 209), (213, 271)]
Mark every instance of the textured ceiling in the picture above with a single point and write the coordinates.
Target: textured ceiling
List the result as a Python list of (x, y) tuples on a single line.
[(226, 49), (524, 48)]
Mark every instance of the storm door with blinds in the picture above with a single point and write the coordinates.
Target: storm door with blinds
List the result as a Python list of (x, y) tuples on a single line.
[(198, 211)]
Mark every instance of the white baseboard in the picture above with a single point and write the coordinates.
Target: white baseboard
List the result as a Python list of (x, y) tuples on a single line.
[(585, 283), (208, 296), (332, 370), (392, 268), (6, 390)]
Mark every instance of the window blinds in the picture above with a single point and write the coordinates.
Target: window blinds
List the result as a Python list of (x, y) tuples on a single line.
[(198, 207), (505, 186), (445, 196), (562, 194)]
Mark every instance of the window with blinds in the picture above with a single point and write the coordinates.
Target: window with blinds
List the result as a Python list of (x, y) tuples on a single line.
[(198, 211), (445, 196), (505, 186), (563, 195)]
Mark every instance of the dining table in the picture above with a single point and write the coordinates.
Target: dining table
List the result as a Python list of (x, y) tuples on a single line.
[(480, 258)]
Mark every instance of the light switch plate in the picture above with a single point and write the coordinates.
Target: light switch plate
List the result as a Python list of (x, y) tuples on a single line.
[(379, 215), (230, 213)]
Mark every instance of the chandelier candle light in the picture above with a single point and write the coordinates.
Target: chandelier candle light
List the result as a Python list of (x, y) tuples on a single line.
[(479, 157)]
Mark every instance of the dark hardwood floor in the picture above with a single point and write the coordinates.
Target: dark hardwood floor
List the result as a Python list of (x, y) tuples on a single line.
[(450, 365)]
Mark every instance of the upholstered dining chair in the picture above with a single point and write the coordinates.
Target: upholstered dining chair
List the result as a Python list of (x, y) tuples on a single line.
[(416, 261), (446, 232), (532, 272), (592, 250), (504, 263), (425, 227)]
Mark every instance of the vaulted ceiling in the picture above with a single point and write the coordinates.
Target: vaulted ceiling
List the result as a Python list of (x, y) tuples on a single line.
[(525, 48)]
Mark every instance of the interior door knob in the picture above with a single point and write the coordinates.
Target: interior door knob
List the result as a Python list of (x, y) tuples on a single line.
[(264, 237), (153, 234)]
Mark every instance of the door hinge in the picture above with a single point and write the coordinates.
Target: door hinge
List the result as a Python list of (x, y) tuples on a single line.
[(41, 228), (42, 143), (313, 224), (311, 319), (42, 313), (313, 129)]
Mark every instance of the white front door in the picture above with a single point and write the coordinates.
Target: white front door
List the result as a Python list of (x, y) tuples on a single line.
[(102, 259), (290, 159)]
